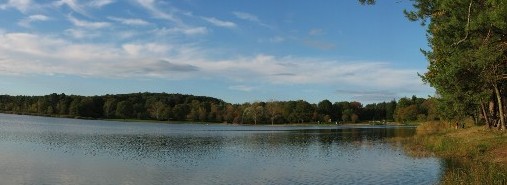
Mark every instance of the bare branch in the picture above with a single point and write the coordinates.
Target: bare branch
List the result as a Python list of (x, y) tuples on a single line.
[(467, 26)]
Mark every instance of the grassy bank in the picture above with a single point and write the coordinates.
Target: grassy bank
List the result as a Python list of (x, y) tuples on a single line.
[(471, 155)]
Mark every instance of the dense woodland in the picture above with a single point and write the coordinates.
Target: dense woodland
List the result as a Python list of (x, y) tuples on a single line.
[(178, 107)]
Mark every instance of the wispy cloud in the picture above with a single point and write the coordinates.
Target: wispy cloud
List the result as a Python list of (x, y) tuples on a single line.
[(21, 5), (32, 18), (127, 21), (88, 24), (146, 49), (322, 45), (100, 3), (191, 31), (72, 4), (244, 88), (275, 39), (246, 16), (81, 33), (315, 32), (369, 95), (220, 23), (250, 17), (151, 6)]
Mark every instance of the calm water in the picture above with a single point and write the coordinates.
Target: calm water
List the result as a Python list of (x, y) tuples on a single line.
[(38, 150)]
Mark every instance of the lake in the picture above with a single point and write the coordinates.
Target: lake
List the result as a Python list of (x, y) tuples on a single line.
[(41, 150)]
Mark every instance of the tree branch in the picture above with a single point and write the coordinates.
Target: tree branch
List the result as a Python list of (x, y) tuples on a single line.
[(467, 26)]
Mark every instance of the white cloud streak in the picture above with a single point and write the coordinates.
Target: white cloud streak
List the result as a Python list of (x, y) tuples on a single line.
[(87, 24), (244, 88), (186, 31), (220, 23), (72, 4), (81, 33), (132, 22), (32, 18), (150, 5), (251, 18), (21, 5), (246, 16), (100, 3)]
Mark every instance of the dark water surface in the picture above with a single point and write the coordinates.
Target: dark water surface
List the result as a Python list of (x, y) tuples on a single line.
[(39, 150)]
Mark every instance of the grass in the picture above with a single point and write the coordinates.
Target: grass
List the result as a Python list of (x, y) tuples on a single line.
[(460, 171), (473, 155)]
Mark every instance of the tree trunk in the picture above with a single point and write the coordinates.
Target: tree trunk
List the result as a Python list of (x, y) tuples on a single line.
[(500, 107), (485, 114)]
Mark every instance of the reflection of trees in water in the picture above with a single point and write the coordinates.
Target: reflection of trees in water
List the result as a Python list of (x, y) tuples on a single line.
[(128, 146), (191, 147), (298, 143)]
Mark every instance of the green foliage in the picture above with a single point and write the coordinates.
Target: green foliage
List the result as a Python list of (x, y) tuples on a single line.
[(467, 57), (415, 109), (124, 110), (177, 107)]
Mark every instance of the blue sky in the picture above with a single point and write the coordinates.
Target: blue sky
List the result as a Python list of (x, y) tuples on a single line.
[(235, 50)]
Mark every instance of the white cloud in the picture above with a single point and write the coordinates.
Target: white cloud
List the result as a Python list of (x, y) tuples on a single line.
[(21, 5), (246, 16), (133, 22), (251, 18), (360, 94), (24, 53), (87, 24), (186, 31), (150, 5), (290, 70), (33, 18), (276, 39), (127, 34), (149, 49), (220, 23), (81, 34), (100, 3), (72, 4)]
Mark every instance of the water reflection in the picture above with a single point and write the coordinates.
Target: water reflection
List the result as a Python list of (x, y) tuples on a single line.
[(200, 154)]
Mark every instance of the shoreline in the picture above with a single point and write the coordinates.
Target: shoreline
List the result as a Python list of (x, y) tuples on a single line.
[(481, 152), (365, 123)]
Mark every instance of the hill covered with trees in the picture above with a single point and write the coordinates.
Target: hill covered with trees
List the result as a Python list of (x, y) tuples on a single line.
[(179, 107)]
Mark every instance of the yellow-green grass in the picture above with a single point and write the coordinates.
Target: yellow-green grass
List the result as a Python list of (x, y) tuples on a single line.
[(471, 155)]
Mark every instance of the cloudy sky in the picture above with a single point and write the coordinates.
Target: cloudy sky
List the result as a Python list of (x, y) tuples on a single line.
[(235, 50)]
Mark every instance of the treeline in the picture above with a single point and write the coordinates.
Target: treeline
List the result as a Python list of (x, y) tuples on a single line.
[(178, 107)]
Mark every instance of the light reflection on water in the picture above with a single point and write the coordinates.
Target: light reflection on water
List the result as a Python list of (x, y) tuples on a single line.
[(37, 150)]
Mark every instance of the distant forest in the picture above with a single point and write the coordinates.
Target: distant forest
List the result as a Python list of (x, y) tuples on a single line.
[(179, 107)]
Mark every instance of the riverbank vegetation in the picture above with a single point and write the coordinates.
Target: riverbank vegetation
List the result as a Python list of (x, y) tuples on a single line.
[(178, 107), (474, 155)]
